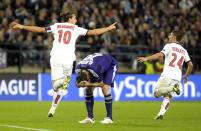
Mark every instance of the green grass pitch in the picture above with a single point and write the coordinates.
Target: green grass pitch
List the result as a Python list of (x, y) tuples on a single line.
[(128, 116)]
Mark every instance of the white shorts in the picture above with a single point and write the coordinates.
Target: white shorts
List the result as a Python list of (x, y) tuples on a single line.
[(60, 67), (164, 82)]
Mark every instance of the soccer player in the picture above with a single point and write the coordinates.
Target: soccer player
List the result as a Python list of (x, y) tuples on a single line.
[(170, 78), (97, 70), (62, 53)]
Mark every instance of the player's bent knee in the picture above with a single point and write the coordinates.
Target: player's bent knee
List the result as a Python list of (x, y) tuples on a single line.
[(61, 83), (106, 89), (57, 84)]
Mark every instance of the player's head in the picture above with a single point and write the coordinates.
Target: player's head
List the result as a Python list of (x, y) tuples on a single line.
[(69, 16), (83, 75), (175, 36)]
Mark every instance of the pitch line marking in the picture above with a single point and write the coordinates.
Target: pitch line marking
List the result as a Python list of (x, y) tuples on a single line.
[(27, 128)]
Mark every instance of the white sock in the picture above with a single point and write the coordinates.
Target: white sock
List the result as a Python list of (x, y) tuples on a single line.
[(163, 91), (56, 100), (164, 106)]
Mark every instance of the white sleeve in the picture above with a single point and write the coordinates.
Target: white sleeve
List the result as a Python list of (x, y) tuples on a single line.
[(165, 50), (81, 31), (187, 58), (50, 29)]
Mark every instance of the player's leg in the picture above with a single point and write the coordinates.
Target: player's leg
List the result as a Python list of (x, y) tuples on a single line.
[(108, 104), (60, 80), (59, 91), (164, 106), (165, 86), (106, 89), (57, 96), (161, 83), (61, 83), (89, 103), (166, 99), (162, 91)]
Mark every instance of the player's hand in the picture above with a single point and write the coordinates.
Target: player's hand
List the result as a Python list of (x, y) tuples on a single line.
[(83, 84), (185, 79), (15, 26), (112, 26), (142, 59)]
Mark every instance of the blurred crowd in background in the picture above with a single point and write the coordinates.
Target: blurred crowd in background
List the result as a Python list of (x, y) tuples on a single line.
[(143, 27)]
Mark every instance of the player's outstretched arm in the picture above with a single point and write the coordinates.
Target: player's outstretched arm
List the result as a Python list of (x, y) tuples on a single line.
[(188, 71), (16, 26), (152, 57), (100, 31)]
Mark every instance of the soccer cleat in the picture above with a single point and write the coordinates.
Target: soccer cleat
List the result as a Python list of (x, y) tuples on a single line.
[(160, 117), (87, 121), (50, 115), (176, 89), (107, 120), (51, 112)]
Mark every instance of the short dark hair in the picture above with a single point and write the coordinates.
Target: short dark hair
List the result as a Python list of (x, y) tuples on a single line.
[(82, 76), (65, 16), (68, 13), (178, 35)]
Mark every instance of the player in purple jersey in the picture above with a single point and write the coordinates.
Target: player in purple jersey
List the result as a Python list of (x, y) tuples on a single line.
[(97, 70)]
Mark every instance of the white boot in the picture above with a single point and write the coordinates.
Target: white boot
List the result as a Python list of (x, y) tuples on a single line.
[(51, 111), (87, 120), (107, 120)]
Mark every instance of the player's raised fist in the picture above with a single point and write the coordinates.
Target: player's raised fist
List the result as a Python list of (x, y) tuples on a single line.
[(15, 26)]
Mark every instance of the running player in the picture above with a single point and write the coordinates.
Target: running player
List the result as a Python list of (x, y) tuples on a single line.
[(170, 78)]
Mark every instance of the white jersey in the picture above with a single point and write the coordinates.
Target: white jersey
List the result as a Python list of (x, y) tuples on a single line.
[(65, 36), (175, 55)]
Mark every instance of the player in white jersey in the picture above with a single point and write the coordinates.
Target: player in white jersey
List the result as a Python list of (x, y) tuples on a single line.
[(170, 78), (63, 50)]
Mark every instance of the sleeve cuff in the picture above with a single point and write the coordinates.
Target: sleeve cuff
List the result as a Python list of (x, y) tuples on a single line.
[(48, 29), (163, 53), (188, 61), (87, 32)]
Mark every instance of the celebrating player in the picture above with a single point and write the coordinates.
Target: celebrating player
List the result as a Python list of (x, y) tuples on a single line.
[(62, 53), (97, 70), (169, 80)]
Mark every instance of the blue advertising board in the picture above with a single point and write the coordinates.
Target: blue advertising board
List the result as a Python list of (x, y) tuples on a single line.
[(19, 87), (127, 87)]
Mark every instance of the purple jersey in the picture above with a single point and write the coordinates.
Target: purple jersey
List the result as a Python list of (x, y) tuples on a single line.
[(102, 67)]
